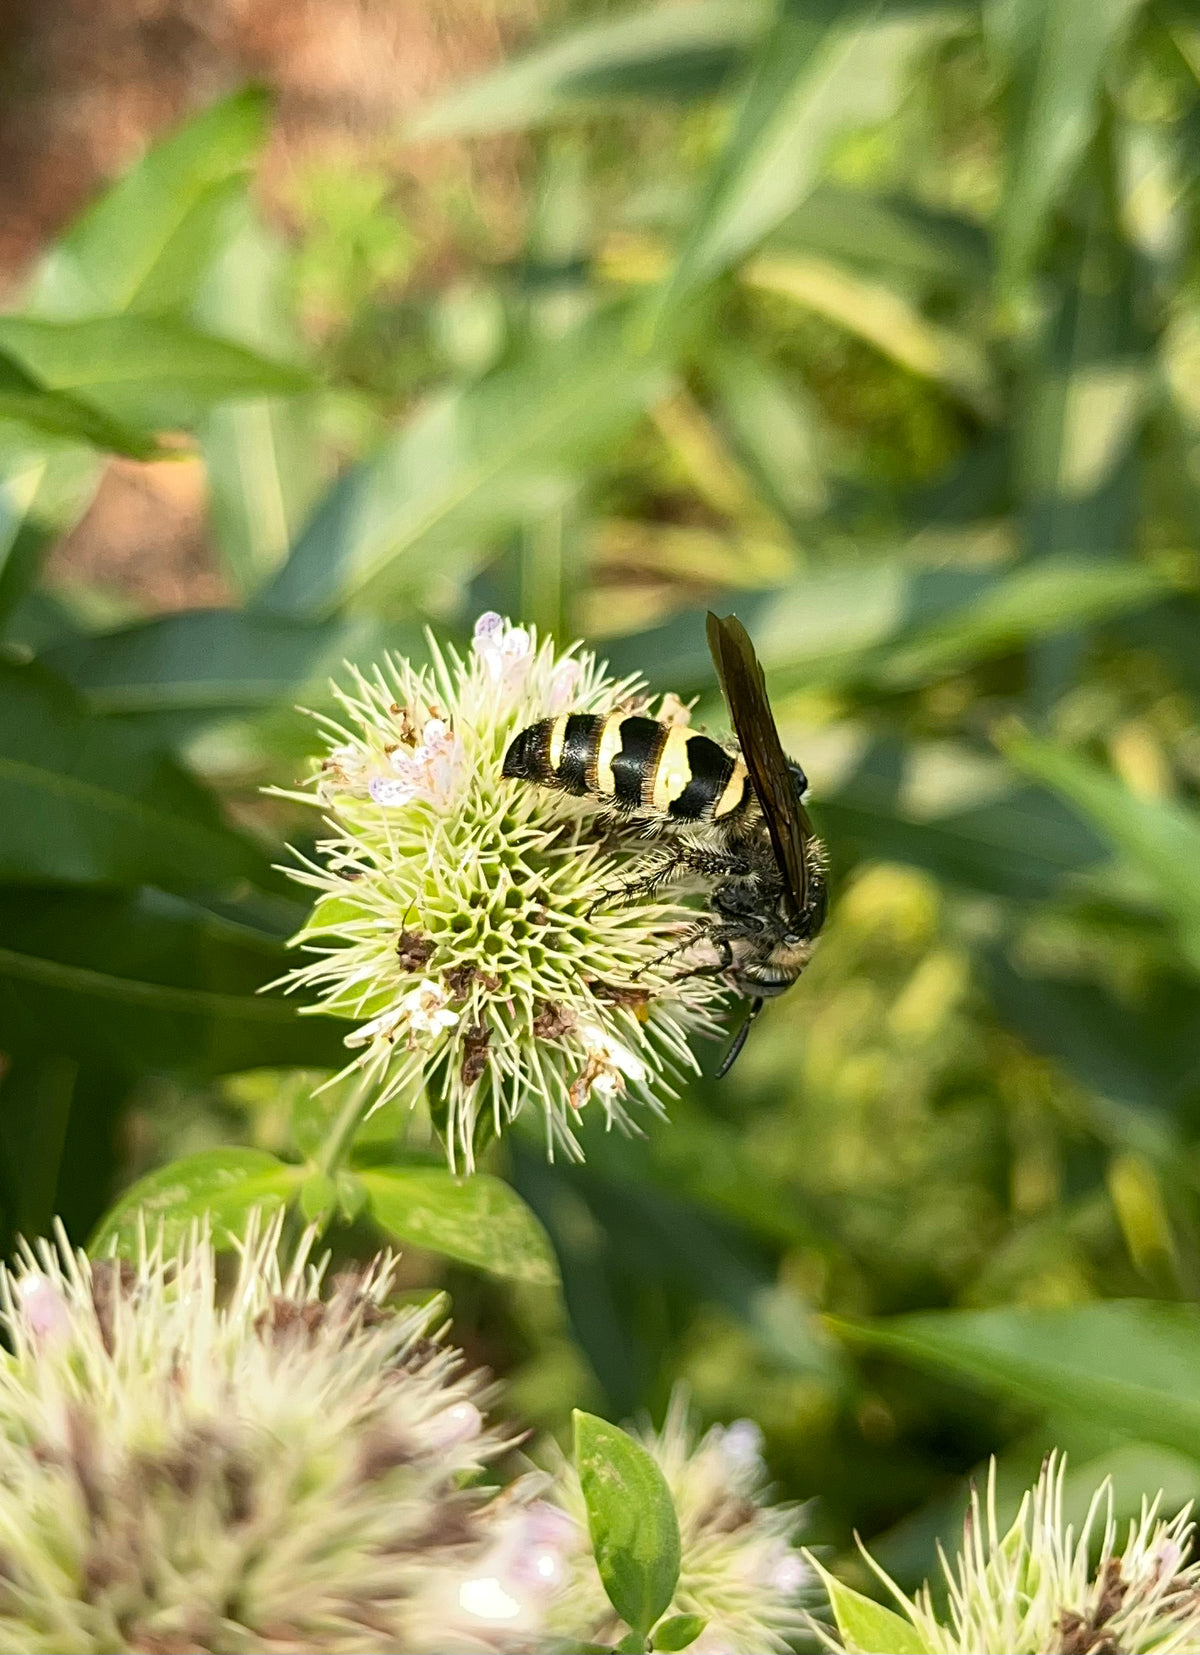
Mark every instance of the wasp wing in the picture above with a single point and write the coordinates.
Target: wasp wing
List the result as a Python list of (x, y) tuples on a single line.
[(745, 692)]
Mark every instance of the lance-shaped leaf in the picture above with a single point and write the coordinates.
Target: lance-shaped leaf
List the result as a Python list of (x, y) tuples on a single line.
[(1057, 52), (150, 370), (654, 51), (821, 70), (1158, 838), (25, 400), (469, 465), (210, 663), (1129, 1366), (86, 801), (866, 1627), (149, 981), (144, 245)]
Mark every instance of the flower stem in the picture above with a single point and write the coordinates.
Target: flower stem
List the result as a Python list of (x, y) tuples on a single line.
[(342, 1132)]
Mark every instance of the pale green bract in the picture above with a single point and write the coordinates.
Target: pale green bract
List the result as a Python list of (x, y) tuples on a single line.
[(1040, 1585), (469, 924)]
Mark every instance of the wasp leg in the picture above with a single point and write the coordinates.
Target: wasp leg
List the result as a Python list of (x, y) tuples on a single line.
[(720, 937), (666, 866), (707, 864), (699, 932)]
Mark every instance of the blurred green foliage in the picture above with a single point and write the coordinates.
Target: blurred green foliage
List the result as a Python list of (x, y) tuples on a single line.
[(878, 320)]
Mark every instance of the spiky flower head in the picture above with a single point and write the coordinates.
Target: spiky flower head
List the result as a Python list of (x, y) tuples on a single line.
[(738, 1568), (265, 1467), (1040, 1588), (478, 930)]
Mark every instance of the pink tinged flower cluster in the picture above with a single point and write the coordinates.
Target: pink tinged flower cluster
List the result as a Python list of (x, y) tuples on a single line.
[(468, 924)]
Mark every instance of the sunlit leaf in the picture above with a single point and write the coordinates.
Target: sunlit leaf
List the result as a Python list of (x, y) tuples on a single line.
[(145, 243), (884, 318), (886, 232), (478, 1220), (222, 1186), (467, 466), (1056, 52), (27, 401), (151, 370), (818, 72), (631, 1519), (1130, 1366), (867, 1627), (1159, 838), (262, 456), (655, 51)]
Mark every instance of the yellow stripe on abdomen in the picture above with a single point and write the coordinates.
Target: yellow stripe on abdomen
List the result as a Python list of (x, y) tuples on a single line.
[(606, 752), (673, 772), (735, 791), (558, 734)]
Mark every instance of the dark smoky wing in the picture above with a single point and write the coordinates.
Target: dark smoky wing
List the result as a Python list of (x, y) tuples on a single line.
[(754, 724)]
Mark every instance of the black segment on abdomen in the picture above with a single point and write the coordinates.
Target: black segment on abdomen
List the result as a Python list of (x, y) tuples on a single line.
[(528, 755), (576, 751), (711, 768), (642, 741)]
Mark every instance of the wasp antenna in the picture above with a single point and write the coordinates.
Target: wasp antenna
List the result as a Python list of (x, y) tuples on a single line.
[(739, 1040)]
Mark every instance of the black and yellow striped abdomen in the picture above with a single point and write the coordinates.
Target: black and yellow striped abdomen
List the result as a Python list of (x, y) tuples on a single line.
[(637, 763)]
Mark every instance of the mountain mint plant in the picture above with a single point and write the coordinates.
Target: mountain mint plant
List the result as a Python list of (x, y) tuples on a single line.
[(738, 1573), (479, 932), (250, 1466), (1040, 1588)]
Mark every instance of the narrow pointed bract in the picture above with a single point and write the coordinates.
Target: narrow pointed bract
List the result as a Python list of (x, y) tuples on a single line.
[(478, 932)]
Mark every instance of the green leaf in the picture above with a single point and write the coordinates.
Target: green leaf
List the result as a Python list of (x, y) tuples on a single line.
[(83, 800), (1018, 606), (470, 465), (24, 399), (206, 664), (775, 428), (150, 981), (633, 1643), (1085, 391), (896, 624), (42, 495), (819, 72), (1132, 1367), (479, 1220), (631, 1520), (678, 1632), (222, 1185), (351, 1195), (657, 51), (1058, 52), (145, 244), (884, 318), (887, 233), (264, 458), (866, 1627), (946, 808), (151, 370), (1157, 838), (318, 1197), (60, 1146)]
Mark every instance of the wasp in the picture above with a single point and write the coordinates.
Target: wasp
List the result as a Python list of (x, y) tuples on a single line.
[(733, 816)]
